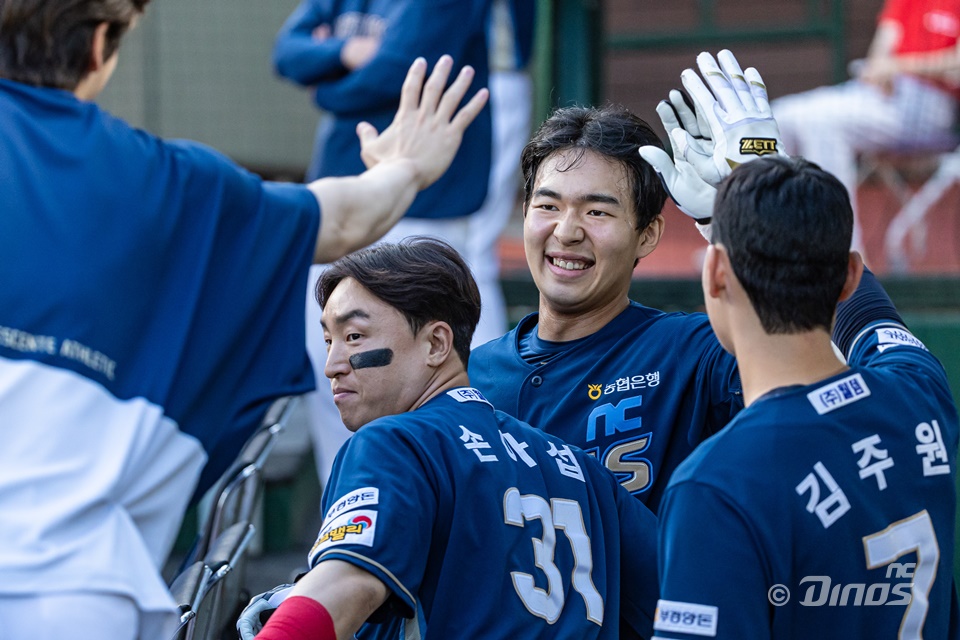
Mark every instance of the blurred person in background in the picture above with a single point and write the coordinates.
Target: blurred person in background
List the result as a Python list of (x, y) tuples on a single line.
[(903, 97)]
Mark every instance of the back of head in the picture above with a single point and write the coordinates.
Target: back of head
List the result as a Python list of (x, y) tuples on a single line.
[(786, 225), (423, 278), (47, 43), (611, 131)]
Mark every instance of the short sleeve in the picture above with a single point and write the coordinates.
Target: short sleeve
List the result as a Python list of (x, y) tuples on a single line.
[(249, 244), (379, 509), (712, 581)]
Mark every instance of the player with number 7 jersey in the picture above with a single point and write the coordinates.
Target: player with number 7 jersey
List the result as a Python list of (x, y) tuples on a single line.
[(831, 497)]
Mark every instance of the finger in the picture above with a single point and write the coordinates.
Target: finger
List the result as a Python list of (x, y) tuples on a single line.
[(758, 89), (412, 86), (685, 112), (703, 100), (661, 163), (733, 71), (470, 110), (451, 98), (367, 133), (433, 89), (668, 118), (721, 86)]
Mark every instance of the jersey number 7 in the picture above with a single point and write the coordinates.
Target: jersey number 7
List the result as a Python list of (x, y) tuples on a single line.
[(913, 534)]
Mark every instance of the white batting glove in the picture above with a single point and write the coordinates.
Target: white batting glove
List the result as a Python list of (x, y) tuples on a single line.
[(682, 180), (737, 112), (253, 617)]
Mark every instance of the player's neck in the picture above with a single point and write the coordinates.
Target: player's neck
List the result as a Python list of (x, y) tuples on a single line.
[(557, 325), (767, 362), (446, 378)]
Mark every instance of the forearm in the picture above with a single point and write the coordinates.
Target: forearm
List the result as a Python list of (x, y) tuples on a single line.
[(306, 61), (868, 304), (357, 211), (298, 55), (931, 64)]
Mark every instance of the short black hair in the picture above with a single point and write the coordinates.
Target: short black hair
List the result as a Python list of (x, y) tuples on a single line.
[(423, 278), (47, 43), (786, 225), (611, 131)]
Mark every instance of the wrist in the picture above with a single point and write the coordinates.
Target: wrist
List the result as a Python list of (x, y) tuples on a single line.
[(299, 618)]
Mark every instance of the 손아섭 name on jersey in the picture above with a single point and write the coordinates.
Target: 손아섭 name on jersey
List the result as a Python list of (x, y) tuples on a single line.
[(516, 450)]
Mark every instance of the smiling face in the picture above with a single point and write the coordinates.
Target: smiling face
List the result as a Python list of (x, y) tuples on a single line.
[(372, 384), (580, 235)]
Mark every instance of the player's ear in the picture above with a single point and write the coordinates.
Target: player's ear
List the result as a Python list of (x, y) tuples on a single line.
[(99, 47), (716, 270), (854, 272), (438, 342), (650, 237)]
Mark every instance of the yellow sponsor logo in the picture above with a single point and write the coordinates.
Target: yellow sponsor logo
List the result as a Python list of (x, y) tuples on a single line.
[(594, 391), (758, 146)]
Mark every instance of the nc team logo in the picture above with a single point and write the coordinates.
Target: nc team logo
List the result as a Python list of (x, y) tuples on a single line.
[(758, 146)]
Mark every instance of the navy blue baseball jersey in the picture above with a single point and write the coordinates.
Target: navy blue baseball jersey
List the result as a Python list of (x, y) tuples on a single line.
[(483, 527), (821, 511), (406, 29), (151, 307), (639, 394)]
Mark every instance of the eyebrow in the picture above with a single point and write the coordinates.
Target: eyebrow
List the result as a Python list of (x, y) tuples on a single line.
[(601, 198), (346, 317)]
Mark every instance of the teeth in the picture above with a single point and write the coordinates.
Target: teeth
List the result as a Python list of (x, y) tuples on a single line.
[(569, 264)]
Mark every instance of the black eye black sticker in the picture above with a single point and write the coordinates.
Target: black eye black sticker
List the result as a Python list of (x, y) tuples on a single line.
[(372, 358)]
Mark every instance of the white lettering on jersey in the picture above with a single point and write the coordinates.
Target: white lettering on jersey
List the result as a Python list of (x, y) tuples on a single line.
[(891, 337), (566, 462), (838, 394), (868, 447), (932, 449), (363, 497), (685, 617), (831, 508), (475, 442)]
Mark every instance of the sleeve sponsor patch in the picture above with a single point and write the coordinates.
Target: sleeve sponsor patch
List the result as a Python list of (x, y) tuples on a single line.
[(356, 527), (891, 337), (363, 497), (838, 394), (685, 617)]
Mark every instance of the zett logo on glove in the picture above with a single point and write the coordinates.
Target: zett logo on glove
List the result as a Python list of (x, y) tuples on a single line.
[(758, 146)]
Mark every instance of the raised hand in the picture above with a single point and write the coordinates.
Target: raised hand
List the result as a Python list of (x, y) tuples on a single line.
[(428, 126), (736, 111)]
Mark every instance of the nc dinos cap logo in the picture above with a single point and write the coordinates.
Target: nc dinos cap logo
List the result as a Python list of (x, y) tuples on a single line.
[(594, 391), (758, 146)]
